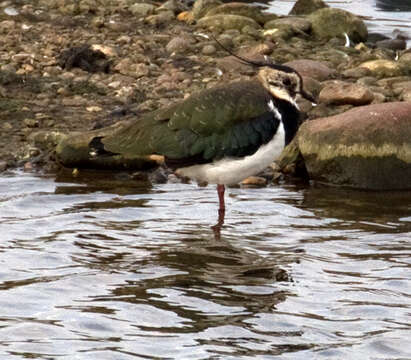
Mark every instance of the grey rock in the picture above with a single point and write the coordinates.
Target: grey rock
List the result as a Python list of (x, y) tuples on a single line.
[(163, 17), (298, 24), (209, 50), (142, 9), (201, 7), (179, 44), (356, 73), (392, 44), (305, 7)]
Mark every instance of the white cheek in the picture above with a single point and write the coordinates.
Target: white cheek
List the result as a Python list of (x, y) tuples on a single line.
[(274, 110)]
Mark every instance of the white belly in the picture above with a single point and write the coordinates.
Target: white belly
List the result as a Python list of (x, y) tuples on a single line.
[(229, 171)]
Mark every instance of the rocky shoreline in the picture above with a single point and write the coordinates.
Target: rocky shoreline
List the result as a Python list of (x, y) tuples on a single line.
[(74, 67)]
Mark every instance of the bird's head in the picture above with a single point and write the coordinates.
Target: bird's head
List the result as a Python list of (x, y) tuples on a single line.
[(281, 81), (283, 84)]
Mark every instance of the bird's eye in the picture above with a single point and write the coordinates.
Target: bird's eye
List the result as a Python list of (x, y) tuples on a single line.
[(287, 82)]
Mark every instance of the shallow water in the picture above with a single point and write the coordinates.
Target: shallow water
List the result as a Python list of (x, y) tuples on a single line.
[(378, 18), (104, 268)]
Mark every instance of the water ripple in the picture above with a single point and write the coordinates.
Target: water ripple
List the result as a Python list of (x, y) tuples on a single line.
[(106, 268)]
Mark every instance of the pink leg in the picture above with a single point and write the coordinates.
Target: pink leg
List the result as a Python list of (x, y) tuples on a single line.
[(220, 191), (221, 212)]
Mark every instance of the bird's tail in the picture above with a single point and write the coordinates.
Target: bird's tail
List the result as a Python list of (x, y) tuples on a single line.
[(96, 148)]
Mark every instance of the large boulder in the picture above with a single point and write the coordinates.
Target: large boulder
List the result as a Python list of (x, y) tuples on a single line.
[(367, 147), (328, 23), (305, 7)]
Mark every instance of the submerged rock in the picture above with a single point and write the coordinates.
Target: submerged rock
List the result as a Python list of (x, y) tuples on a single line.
[(367, 147)]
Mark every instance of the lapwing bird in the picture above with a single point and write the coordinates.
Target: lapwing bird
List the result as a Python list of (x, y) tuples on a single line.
[(220, 135)]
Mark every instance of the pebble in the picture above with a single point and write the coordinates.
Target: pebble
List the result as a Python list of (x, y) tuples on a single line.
[(3, 165), (209, 50), (7, 126), (177, 44), (94, 109), (30, 123), (7, 25), (28, 166), (254, 181)]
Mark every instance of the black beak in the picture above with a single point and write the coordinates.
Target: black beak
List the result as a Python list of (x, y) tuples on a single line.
[(308, 97)]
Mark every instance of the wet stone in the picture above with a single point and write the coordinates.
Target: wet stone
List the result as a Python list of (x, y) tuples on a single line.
[(254, 181), (3, 165)]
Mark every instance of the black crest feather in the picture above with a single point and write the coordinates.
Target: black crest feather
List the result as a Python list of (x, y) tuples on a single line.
[(257, 64)]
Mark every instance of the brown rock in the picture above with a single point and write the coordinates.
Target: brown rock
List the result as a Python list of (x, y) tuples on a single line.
[(254, 181), (163, 17), (179, 44), (343, 93), (186, 16), (232, 64), (226, 21), (3, 165), (406, 95), (366, 147), (314, 69), (209, 49)]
